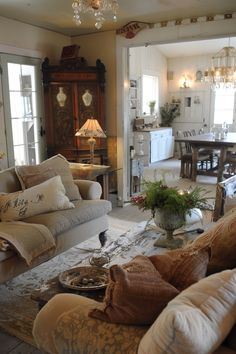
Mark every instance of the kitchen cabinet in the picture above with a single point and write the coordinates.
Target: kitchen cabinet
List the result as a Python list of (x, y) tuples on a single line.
[(154, 145), (73, 92)]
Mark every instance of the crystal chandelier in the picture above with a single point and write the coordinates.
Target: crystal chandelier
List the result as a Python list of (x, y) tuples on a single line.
[(97, 8), (223, 71)]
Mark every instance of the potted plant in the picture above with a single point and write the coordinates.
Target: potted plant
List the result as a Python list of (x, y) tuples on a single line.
[(168, 113), (169, 206), (152, 106)]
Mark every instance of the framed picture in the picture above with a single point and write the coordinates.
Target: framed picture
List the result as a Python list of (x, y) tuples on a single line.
[(70, 52), (133, 83)]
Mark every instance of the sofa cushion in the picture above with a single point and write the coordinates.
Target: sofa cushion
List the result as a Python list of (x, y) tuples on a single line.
[(221, 237), (28, 175), (197, 320), (45, 197), (9, 182), (182, 268), (62, 220), (135, 295)]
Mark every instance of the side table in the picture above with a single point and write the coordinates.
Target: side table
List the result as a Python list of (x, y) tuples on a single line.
[(92, 172)]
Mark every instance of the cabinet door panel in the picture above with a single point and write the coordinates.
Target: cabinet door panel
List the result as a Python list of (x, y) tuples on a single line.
[(62, 114)]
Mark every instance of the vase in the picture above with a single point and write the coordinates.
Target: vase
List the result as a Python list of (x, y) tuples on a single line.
[(169, 221)]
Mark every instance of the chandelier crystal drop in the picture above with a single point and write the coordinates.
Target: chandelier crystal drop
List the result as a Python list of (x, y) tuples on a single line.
[(96, 7), (223, 71)]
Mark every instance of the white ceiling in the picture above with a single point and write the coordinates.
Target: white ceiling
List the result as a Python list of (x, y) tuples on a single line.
[(57, 15)]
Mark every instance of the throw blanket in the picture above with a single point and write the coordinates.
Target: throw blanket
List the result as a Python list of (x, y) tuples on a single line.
[(29, 240)]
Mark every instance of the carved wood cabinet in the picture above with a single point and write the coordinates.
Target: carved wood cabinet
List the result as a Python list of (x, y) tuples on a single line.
[(73, 92)]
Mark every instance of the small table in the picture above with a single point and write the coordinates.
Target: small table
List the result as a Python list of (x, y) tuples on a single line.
[(92, 172), (209, 141), (53, 287)]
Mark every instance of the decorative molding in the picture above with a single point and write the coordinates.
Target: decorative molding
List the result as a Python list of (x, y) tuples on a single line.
[(188, 21), (132, 28)]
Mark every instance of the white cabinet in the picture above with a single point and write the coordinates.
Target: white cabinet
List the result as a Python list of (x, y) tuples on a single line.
[(154, 145)]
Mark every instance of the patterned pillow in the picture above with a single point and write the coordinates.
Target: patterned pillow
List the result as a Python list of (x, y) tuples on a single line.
[(197, 320), (29, 175), (134, 296), (181, 267), (221, 238), (45, 197)]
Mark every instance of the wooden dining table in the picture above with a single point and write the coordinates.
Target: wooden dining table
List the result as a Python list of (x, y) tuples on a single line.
[(209, 141)]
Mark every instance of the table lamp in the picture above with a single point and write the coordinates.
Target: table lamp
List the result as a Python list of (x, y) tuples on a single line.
[(91, 129)]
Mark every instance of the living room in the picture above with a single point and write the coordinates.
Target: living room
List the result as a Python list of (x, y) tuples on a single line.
[(22, 38)]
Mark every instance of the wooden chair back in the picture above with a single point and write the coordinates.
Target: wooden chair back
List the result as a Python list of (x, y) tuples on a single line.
[(225, 197)]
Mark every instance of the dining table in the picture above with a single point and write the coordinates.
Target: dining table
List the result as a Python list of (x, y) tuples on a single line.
[(210, 141)]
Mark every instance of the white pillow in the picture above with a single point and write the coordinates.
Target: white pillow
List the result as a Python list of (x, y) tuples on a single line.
[(47, 196), (195, 321)]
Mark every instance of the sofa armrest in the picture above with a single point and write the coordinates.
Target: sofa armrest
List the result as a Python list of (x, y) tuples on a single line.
[(63, 323), (89, 189)]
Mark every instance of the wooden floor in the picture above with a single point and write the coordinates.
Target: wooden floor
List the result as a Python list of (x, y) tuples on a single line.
[(13, 345)]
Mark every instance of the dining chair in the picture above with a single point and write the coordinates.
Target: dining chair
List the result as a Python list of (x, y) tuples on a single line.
[(185, 153), (225, 197)]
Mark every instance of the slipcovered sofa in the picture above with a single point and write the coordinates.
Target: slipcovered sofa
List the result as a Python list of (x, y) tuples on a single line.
[(78, 214), (200, 320)]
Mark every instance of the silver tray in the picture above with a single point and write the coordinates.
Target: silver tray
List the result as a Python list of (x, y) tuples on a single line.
[(84, 278)]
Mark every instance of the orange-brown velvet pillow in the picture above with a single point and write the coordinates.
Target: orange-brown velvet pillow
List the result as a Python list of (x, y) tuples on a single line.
[(181, 267), (135, 297)]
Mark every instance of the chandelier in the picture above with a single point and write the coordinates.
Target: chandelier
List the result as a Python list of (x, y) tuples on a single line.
[(223, 71), (95, 7)]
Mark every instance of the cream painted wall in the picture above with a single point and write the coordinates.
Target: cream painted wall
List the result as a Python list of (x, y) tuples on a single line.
[(20, 37), (102, 45)]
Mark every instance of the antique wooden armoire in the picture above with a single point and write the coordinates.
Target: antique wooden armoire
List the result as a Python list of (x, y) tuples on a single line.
[(73, 92)]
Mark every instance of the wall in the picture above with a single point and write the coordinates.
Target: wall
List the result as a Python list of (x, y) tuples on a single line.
[(198, 115), (19, 38)]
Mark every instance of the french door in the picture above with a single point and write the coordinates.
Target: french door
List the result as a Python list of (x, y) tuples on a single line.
[(23, 112)]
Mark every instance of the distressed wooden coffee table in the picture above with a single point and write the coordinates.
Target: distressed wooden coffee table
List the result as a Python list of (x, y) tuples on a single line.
[(139, 240)]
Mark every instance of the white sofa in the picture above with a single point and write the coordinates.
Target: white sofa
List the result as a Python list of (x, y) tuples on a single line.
[(68, 227)]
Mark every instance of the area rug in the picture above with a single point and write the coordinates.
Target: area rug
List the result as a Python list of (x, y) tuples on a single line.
[(18, 311)]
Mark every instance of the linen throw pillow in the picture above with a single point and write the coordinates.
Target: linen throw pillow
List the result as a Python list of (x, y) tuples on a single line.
[(45, 197), (197, 320), (134, 297), (182, 268), (28, 175)]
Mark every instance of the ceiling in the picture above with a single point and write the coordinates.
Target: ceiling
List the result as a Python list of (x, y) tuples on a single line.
[(56, 15)]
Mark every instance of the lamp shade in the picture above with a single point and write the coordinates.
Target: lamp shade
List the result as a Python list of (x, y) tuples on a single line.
[(91, 128)]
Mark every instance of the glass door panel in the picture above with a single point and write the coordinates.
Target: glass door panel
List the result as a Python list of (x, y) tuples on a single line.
[(24, 110)]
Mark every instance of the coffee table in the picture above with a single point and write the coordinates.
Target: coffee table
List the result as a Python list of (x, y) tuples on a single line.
[(139, 240)]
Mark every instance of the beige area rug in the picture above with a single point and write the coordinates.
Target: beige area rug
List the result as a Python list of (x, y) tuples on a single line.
[(18, 311)]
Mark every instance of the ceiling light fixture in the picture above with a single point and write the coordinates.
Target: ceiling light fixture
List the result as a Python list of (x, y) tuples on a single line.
[(95, 7), (223, 71)]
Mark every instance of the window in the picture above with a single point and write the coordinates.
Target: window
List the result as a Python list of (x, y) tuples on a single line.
[(150, 93), (224, 106)]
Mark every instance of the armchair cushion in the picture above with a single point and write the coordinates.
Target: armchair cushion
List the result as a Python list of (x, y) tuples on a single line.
[(197, 320)]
